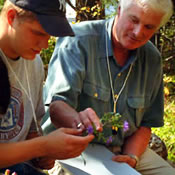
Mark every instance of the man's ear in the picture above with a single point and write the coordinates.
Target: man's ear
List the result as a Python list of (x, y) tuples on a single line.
[(11, 15)]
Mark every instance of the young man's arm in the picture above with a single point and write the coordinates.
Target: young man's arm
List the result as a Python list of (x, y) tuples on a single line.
[(61, 144)]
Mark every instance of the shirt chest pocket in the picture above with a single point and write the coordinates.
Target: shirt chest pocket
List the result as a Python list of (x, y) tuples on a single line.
[(138, 106), (96, 97), (96, 92)]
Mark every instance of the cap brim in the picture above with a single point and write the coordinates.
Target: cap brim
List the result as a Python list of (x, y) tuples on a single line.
[(55, 25)]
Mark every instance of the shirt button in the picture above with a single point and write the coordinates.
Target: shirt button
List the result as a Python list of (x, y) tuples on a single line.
[(119, 74), (96, 95)]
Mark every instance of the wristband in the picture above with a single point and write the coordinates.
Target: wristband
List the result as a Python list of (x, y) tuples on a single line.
[(132, 156)]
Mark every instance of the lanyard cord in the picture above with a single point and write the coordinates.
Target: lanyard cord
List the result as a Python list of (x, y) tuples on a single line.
[(115, 98), (30, 98), (27, 94)]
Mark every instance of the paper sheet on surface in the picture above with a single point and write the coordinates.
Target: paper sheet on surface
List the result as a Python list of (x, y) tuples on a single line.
[(98, 162)]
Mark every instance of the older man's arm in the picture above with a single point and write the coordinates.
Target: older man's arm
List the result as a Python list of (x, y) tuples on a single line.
[(63, 115), (136, 144)]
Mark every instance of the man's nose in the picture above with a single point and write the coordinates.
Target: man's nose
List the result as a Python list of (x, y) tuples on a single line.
[(138, 31), (43, 43)]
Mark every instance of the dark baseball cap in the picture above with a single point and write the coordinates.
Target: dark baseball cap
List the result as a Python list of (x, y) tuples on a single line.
[(50, 13)]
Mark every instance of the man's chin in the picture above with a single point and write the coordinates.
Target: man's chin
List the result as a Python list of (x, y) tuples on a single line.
[(29, 57), (131, 46)]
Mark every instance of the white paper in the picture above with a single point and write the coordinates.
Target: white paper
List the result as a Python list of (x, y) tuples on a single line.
[(98, 162)]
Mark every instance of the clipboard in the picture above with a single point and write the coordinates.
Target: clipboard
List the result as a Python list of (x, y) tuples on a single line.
[(98, 162)]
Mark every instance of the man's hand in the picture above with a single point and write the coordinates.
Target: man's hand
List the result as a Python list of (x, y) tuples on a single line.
[(86, 118), (41, 162), (63, 115), (125, 159), (65, 143), (44, 163), (135, 144)]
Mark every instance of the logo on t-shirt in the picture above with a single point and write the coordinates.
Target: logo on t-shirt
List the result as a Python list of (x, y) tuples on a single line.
[(11, 123)]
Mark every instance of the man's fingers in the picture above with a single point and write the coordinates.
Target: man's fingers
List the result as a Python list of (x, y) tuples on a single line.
[(126, 159), (84, 116), (82, 139), (71, 131), (74, 136), (120, 158), (88, 116), (95, 119), (44, 162)]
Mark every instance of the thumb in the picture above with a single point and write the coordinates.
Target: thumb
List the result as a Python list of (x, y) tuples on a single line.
[(71, 131), (75, 133), (89, 137)]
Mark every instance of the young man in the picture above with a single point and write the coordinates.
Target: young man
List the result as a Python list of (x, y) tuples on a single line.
[(26, 26), (111, 66)]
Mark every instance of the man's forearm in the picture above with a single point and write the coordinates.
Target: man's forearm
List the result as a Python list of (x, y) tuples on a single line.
[(137, 143), (13, 153)]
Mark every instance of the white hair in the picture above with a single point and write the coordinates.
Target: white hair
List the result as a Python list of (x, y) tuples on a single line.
[(164, 6)]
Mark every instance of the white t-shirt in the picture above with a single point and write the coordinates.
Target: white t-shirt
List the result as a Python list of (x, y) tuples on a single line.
[(19, 121)]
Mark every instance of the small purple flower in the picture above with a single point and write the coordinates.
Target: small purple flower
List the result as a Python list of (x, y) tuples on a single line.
[(125, 126), (90, 130), (109, 140)]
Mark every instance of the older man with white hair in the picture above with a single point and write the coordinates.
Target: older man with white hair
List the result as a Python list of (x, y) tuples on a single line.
[(110, 65)]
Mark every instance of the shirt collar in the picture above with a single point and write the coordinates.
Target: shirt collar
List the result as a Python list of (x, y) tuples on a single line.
[(132, 58)]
